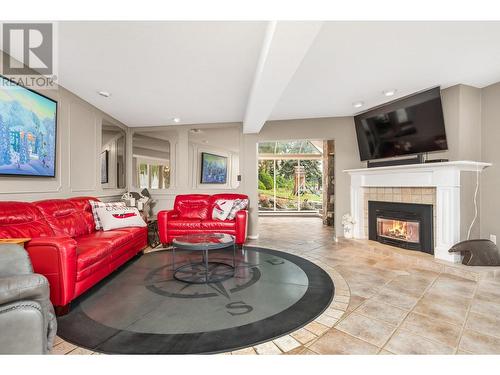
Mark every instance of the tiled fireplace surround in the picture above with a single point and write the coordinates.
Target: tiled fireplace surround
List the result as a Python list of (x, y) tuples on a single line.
[(423, 195), (438, 184)]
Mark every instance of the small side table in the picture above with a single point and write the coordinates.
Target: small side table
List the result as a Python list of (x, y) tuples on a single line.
[(204, 272), (153, 236), (19, 241)]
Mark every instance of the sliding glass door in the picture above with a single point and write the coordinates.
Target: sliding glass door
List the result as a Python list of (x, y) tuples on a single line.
[(290, 176), (286, 187)]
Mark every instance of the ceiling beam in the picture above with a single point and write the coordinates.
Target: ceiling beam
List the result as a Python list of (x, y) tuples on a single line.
[(285, 45)]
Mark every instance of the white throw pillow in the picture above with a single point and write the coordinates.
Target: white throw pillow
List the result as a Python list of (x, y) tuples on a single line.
[(119, 217), (238, 205), (222, 208), (95, 204)]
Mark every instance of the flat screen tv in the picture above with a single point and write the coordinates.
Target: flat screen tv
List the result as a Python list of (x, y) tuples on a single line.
[(411, 125), (27, 131)]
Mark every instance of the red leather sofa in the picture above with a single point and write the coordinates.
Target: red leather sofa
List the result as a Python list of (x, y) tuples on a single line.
[(192, 213), (64, 245)]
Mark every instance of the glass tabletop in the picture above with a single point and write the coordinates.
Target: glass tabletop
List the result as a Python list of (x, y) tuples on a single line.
[(209, 241)]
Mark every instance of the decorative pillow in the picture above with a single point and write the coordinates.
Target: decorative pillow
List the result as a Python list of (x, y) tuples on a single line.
[(238, 204), (95, 204), (119, 217), (222, 208)]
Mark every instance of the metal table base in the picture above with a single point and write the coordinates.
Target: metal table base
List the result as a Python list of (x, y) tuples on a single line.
[(204, 272)]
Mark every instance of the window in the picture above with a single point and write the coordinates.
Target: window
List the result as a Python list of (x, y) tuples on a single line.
[(298, 148), (291, 176)]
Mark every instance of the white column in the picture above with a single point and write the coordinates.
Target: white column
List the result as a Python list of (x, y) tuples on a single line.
[(357, 207), (447, 222)]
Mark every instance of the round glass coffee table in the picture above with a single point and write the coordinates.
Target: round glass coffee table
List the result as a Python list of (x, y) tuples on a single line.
[(203, 272)]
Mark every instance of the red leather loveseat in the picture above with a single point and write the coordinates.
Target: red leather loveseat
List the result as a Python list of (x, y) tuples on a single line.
[(193, 214), (65, 247)]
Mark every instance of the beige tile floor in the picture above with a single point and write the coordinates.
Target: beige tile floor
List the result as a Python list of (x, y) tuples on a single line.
[(388, 301)]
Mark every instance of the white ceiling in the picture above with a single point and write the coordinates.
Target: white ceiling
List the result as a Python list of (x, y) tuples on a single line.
[(155, 71), (356, 61), (203, 72)]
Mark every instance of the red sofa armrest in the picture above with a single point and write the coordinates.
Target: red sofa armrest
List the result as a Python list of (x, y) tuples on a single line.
[(163, 218), (241, 220), (55, 258)]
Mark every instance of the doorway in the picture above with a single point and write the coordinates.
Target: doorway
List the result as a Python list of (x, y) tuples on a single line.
[(291, 177)]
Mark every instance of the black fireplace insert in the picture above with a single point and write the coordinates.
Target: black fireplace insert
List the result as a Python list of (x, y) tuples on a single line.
[(406, 225)]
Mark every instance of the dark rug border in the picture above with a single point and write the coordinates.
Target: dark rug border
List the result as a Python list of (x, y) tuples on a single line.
[(313, 303)]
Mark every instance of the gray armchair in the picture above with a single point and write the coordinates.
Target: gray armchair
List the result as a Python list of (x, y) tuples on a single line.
[(27, 320)]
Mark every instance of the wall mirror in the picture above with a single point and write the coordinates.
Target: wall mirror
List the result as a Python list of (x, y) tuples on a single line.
[(151, 159), (112, 157)]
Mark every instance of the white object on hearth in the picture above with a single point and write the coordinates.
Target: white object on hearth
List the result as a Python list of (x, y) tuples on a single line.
[(445, 177), (348, 224), (348, 231)]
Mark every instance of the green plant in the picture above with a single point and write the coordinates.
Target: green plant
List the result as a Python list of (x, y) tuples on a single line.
[(266, 180), (262, 186)]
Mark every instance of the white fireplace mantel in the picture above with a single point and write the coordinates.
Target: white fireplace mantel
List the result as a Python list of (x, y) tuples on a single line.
[(445, 177)]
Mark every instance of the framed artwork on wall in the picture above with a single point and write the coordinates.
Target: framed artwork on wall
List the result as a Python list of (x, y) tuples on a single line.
[(104, 166), (213, 169), (28, 123)]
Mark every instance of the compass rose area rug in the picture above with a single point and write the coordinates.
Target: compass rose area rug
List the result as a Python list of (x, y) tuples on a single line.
[(143, 309)]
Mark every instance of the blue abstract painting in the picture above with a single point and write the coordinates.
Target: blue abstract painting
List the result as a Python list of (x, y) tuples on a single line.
[(213, 169), (27, 132)]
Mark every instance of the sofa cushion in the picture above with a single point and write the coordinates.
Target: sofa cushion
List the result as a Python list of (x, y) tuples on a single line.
[(192, 206), (64, 217), (134, 232), (218, 224), (97, 249), (83, 204), (22, 220), (90, 250), (115, 238), (184, 224)]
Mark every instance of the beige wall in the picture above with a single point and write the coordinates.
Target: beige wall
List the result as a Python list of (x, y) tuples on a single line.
[(77, 159), (490, 152), (185, 160), (462, 111), (462, 115), (78, 148), (340, 129)]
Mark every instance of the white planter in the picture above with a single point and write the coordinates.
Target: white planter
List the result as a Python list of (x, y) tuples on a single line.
[(348, 231)]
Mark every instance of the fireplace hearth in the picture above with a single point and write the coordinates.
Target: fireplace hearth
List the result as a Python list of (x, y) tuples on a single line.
[(406, 225)]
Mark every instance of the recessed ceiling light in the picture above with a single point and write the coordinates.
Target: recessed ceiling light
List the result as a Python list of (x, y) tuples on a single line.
[(389, 92), (357, 104), (104, 94), (176, 120)]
